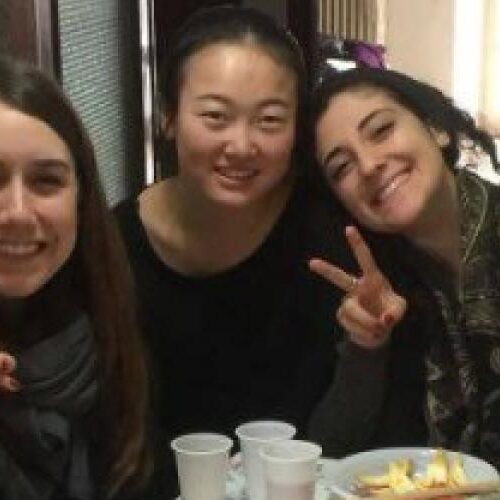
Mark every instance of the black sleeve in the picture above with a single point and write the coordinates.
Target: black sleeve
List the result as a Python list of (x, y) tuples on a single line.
[(347, 417)]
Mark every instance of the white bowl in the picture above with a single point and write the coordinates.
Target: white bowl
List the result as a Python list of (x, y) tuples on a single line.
[(340, 476)]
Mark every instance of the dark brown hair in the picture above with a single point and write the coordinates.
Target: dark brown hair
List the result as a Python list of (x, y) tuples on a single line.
[(104, 282)]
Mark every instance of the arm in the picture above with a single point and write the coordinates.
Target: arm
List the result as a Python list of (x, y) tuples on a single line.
[(350, 413), (347, 417)]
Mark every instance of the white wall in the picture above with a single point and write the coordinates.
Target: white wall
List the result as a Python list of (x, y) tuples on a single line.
[(440, 42), (419, 39)]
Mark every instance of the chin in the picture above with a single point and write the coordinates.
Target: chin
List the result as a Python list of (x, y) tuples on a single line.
[(234, 199), (392, 222), (19, 289)]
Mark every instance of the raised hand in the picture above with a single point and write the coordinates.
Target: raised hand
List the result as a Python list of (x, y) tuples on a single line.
[(7, 366), (370, 307)]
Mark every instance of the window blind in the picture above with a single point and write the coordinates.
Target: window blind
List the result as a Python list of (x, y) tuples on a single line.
[(96, 70)]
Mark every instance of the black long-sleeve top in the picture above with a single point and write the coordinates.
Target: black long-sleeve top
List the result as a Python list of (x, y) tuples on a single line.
[(252, 342)]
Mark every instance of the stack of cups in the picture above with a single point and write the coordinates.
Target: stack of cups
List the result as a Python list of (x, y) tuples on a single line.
[(253, 436), (276, 466), (290, 469), (202, 465)]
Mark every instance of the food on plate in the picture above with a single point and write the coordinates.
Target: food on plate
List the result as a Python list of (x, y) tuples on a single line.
[(400, 477)]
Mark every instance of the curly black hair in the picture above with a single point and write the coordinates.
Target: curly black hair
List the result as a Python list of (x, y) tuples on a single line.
[(425, 101)]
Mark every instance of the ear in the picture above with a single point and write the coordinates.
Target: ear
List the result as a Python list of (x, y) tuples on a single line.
[(168, 125), (441, 137)]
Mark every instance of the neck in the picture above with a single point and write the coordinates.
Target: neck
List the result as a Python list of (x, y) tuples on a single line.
[(201, 237), (203, 217), (26, 320), (437, 232), (11, 313)]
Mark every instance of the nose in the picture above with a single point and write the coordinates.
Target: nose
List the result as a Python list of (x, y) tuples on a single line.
[(240, 141), (370, 162), (14, 202)]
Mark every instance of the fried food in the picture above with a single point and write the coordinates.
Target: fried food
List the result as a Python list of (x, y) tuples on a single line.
[(400, 477)]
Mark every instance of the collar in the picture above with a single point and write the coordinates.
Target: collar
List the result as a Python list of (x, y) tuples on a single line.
[(473, 196)]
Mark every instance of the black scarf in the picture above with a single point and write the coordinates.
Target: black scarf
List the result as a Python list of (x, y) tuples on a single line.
[(43, 443)]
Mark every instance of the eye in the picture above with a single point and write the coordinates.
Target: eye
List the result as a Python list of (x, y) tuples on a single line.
[(383, 130), (214, 118), (337, 171), (271, 122), (4, 177), (48, 183)]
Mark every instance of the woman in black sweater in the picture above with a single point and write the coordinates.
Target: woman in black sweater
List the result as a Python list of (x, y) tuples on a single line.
[(237, 327)]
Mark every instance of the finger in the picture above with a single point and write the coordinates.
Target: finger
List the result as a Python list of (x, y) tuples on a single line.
[(361, 336), (394, 312), (7, 363), (353, 313), (333, 274), (9, 384), (361, 250)]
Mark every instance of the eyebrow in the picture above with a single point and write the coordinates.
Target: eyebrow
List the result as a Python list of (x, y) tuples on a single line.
[(54, 163), (361, 125), (272, 101), (212, 97)]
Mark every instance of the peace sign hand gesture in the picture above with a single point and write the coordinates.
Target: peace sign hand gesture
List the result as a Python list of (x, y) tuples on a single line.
[(8, 383), (370, 307)]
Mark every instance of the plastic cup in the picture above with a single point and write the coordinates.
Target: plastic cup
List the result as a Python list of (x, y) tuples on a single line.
[(290, 469), (202, 465), (253, 436)]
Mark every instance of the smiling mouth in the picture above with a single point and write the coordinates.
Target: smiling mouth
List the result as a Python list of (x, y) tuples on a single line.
[(18, 250), (237, 174), (390, 187)]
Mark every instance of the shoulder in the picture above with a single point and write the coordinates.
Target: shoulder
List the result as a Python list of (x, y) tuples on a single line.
[(126, 210), (138, 212), (130, 224), (127, 216)]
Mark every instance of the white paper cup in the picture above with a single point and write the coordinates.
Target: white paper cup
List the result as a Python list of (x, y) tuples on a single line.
[(253, 436), (290, 469), (202, 465)]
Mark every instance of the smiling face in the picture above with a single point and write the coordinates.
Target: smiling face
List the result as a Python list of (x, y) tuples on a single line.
[(382, 162), (38, 203), (235, 123)]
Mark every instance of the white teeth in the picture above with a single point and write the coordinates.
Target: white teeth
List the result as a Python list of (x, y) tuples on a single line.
[(18, 249), (237, 174), (389, 188)]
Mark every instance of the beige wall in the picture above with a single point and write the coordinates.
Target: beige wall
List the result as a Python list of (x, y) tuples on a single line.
[(419, 39)]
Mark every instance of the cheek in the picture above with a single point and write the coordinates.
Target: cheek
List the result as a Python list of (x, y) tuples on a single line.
[(72, 225), (279, 147), (348, 196), (346, 192), (65, 220), (196, 145)]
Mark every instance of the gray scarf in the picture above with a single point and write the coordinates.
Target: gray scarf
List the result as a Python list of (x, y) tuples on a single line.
[(43, 444)]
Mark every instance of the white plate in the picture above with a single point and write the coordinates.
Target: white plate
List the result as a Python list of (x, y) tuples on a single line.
[(340, 475)]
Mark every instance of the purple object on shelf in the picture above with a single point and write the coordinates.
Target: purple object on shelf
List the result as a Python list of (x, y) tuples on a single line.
[(367, 54)]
